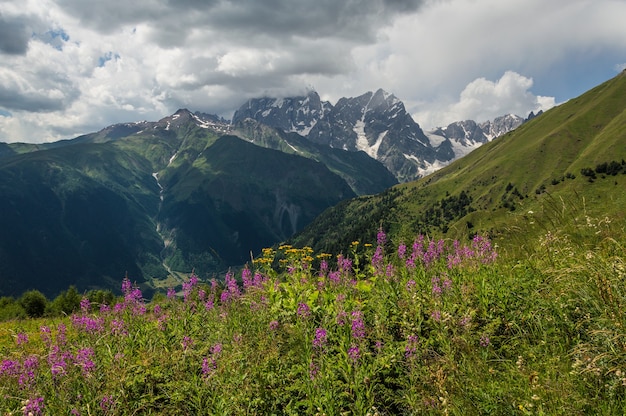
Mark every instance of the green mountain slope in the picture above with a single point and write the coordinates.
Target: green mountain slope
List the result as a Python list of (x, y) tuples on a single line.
[(364, 174), (150, 200), (237, 198), (547, 161)]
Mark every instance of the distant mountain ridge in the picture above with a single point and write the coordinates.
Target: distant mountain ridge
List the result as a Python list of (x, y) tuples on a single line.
[(378, 124)]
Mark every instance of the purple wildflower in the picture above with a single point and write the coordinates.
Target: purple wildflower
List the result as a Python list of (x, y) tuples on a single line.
[(61, 334), (22, 338), (377, 258), (401, 251), (304, 311), (107, 403), (187, 342), (313, 370), (34, 406), (85, 305), (341, 318), (209, 365), (320, 338), (410, 285), (171, 293), (484, 341), (358, 326), (323, 267), (334, 277), (84, 359), (354, 353), (274, 325), (126, 286), (9, 368), (381, 237)]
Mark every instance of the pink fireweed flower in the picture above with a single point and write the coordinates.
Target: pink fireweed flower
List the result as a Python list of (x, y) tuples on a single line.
[(187, 342), (216, 349), (61, 336), (436, 289), (209, 365), (484, 341), (381, 237), (390, 271), (171, 293), (304, 311), (484, 251), (104, 308), (118, 327), (22, 338), (335, 277), (44, 334), (410, 285), (126, 286), (354, 353), (313, 370), (88, 324), (401, 251), (85, 305), (319, 341), (246, 278), (377, 259), (107, 404), (34, 406), (84, 359), (341, 318), (274, 325), (358, 326), (10, 368), (323, 268)]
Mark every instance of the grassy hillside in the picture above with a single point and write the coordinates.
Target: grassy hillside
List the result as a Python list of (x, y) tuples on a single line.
[(429, 327), (536, 166)]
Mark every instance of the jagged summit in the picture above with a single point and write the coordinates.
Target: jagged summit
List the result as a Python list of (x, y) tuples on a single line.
[(376, 123)]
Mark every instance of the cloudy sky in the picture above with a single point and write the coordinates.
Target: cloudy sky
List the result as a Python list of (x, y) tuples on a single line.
[(69, 67)]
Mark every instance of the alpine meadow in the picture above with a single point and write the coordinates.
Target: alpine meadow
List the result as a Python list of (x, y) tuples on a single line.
[(194, 266)]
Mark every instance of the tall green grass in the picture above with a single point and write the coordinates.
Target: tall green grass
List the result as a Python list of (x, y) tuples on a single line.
[(393, 327)]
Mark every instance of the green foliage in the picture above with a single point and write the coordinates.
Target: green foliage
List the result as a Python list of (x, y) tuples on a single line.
[(34, 303), (11, 309), (67, 302)]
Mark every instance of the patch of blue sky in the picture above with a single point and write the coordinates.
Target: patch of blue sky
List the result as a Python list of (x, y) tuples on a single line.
[(54, 37), (109, 56), (4, 113)]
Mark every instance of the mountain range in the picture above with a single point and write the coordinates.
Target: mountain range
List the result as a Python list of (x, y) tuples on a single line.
[(192, 191), (570, 161), (378, 124)]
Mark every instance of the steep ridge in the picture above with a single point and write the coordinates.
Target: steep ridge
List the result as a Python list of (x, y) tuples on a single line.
[(546, 159)]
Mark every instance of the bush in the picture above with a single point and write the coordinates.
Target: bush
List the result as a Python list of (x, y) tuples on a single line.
[(34, 303)]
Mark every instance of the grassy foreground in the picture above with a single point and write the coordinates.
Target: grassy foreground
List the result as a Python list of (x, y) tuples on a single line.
[(406, 327)]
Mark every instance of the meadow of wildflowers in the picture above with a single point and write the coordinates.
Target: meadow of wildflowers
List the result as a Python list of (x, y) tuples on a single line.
[(412, 327)]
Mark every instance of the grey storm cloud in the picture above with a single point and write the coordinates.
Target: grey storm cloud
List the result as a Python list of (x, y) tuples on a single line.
[(47, 91), (174, 20), (14, 35)]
